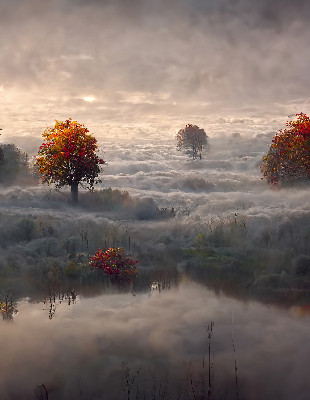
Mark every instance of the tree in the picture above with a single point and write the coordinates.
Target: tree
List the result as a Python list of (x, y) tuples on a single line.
[(192, 139), (114, 262), (13, 164), (68, 157), (288, 158)]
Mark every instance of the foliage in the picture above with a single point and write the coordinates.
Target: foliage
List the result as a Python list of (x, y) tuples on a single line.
[(68, 156), (7, 307), (288, 158), (115, 263), (13, 163), (192, 139), (301, 265)]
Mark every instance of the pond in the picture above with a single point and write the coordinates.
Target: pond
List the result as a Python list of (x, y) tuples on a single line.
[(155, 345)]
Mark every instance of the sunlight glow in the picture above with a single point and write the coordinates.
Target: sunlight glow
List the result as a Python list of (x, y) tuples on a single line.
[(89, 99)]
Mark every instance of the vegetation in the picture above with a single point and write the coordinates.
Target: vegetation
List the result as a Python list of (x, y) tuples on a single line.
[(7, 307), (13, 164), (68, 157), (115, 263), (288, 158), (192, 139)]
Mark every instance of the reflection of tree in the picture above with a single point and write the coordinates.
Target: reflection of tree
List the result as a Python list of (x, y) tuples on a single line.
[(55, 299), (7, 307), (41, 393), (163, 279)]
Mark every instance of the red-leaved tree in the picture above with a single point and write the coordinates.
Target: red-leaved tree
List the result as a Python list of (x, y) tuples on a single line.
[(68, 156), (288, 158)]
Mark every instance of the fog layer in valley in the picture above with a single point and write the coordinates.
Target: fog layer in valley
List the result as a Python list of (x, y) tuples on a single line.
[(214, 242), (212, 221)]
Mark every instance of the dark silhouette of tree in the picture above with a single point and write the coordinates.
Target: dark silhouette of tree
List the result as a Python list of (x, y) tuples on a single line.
[(13, 164), (288, 158), (68, 157), (192, 139)]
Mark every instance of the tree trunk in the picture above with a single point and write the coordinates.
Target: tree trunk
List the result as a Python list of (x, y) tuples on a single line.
[(75, 193)]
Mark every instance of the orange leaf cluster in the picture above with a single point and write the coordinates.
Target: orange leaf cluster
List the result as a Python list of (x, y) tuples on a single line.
[(68, 155)]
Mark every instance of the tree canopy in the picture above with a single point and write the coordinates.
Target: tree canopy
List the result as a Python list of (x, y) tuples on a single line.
[(288, 158), (13, 164), (192, 139), (69, 157)]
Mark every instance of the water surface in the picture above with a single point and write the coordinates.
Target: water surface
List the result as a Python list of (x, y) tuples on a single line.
[(160, 340)]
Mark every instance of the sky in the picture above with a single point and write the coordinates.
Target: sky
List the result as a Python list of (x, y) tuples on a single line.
[(122, 67)]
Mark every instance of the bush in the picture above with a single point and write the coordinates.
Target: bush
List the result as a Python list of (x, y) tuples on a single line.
[(115, 263)]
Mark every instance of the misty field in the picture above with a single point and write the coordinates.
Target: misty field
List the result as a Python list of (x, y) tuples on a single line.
[(214, 244)]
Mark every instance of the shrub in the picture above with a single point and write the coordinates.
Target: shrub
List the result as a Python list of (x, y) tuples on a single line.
[(114, 262)]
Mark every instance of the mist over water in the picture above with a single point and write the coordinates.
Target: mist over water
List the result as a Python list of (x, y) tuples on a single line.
[(255, 246), (79, 353)]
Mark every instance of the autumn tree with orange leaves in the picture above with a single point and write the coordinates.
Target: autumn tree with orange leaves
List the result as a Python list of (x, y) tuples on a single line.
[(68, 157), (288, 158)]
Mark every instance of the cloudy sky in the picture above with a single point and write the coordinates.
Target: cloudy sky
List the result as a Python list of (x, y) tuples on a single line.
[(140, 64)]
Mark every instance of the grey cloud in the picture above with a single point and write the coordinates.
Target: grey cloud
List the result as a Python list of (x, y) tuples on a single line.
[(106, 52)]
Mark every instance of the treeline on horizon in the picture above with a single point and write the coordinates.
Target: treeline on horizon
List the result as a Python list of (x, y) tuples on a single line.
[(68, 155)]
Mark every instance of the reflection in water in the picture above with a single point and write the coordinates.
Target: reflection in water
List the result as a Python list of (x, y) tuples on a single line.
[(209, 330), (163, 279), (56, 299), (156, 346), (41, 393), (7, 307)]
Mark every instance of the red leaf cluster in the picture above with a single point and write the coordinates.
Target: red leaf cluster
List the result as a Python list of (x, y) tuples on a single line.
[(114, 262), (288, 158)]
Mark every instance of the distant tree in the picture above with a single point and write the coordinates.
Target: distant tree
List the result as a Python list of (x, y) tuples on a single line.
[(192, 139), (288, 158), (13, 164), (68, 157)]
